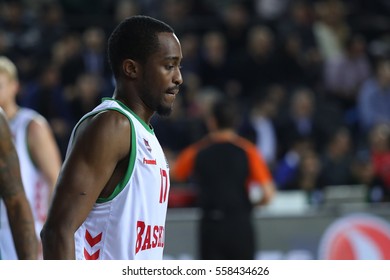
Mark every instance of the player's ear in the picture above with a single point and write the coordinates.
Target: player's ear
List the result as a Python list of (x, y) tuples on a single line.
[(130, 68)]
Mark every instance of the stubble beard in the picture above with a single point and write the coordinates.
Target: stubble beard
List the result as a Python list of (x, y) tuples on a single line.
[(157, 106), (164, 111)]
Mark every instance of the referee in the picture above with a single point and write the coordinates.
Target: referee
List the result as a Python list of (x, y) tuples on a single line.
[(224, 165)]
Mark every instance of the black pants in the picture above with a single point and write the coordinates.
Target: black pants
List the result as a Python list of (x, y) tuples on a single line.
[(229, 238)]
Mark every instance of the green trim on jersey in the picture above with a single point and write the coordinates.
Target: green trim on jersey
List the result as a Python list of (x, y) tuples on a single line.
[(148, 127), (26, 137), (27, 146), (121, 185)]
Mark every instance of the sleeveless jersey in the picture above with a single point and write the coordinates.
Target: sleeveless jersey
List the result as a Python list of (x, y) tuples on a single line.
[(35, 186), (130, 224)]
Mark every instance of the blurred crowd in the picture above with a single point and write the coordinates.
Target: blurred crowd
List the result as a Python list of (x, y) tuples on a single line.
[(312, 78)]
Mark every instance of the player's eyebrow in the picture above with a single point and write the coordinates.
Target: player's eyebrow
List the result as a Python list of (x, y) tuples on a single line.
[(174, 58)]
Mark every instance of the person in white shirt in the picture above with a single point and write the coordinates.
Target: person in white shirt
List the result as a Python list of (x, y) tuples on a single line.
[(38, 152), (112, 194)]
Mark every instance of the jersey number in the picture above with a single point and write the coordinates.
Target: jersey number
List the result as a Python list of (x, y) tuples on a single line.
[(164, 186)]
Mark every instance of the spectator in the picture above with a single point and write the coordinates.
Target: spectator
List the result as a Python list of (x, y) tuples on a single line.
[(88, 57), (85, 94), (331, 28), (256, 67), (235, 23), (191, 45), (215, 68), (344, 73), (286, 170), (94, 51), (379, 145), (45, 94), (68, 52), (299, 21), (302, 120), (21, 29), (374, 98), (337, 159), (271, 11), (308, 178), (259, 127), (295, 70), (364, 174), (343, 77), (51, 27)]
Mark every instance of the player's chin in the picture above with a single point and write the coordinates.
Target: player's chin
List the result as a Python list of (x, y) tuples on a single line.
[(165, 110)]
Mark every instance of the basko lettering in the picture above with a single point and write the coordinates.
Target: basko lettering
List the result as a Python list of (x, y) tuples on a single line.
[(149, 236)]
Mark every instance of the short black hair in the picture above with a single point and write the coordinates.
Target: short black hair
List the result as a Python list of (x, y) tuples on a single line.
[(134, 38), (226, 113)]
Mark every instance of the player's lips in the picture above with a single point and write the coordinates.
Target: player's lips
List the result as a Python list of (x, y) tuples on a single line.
[(173, 91)]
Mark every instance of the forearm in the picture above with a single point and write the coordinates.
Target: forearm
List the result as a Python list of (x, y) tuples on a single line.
[(23, 231), (57, 245), (268, 193)]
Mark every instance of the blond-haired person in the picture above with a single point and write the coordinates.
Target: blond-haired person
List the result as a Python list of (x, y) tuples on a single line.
[(39, 155)]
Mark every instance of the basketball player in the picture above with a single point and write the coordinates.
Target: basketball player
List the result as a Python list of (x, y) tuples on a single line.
[(17, 218), (225, 166), (39, 155), (111, 196)]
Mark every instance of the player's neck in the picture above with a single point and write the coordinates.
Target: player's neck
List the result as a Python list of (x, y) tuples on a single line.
[(224, 133), (10, 110)]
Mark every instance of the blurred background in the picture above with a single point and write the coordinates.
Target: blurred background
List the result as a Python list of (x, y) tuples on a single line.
[(312, 79)]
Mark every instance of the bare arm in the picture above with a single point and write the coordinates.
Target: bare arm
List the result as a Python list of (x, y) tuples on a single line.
[(12, 192), (269, 190), (44, 151), (101, 142), (260, 173)]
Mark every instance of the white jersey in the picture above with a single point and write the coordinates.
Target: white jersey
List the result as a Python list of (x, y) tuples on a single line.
[(130, 224), (35, 186)]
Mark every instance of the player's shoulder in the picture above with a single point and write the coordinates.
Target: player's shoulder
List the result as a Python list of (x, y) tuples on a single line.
[(34, 120), (241, 140), (110, 122), (244, 143), (30, 117), (28, 113), (102, 129)]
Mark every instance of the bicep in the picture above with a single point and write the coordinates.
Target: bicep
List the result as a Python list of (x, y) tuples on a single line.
[(78, 187)]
